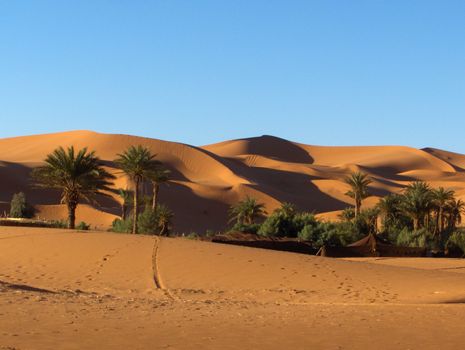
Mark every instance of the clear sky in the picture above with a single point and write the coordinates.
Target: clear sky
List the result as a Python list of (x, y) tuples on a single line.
[(319, 72)]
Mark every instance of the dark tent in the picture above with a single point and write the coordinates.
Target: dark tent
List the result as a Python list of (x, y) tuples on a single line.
[(371, 246), (273, 243)]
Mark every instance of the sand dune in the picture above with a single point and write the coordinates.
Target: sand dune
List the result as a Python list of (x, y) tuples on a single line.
[(113, 291), (208, 179)]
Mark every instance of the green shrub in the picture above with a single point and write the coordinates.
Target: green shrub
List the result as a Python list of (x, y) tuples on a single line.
[(278, 224), (155, 222), (59, 224), (148, 221), (421, 238), (306, 227), (122, 226), (210, 233), (312, 229), (247, 228), (192, 235), (300, 220), (337, 234), (347, 214), (19, 207), (82, 226), (456, 242), (286, 222)]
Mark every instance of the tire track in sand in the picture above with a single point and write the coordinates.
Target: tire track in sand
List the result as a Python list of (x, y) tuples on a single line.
[(156, 271)]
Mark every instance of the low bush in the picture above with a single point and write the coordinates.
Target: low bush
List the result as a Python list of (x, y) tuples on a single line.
[(83, 226), (59, 224), (150, 222), (192, 235), (456, 242), (19, 208), (284, 222), (247, 228), (421, 238), (122, 226)]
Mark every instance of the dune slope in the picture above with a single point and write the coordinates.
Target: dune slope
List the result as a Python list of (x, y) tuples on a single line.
[(207, 180), (100, 290)]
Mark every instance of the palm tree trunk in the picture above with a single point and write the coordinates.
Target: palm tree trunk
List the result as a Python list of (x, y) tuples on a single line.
[(163, 228), (357, 207), (136, 206), (156, 188), (441, 220), (123, 211), (415, 224), (72, 215), (436, 229)]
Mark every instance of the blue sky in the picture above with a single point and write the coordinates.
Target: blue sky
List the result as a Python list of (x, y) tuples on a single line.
[(319, 72)]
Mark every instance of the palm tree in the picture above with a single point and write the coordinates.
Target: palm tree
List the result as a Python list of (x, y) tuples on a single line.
[(126, 197), (137, 163), (358, 182), (288, 209), (164, 216), (455, 209), (389, 208), (370, 217), (78, 175), (441, 198), (157, 178), (246, 211), (347, 214), (417, 202)]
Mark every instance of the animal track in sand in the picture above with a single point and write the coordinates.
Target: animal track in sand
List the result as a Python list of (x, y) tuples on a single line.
[(156, 272)]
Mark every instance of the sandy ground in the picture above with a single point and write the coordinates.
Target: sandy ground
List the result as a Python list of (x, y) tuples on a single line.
[(76, 290)]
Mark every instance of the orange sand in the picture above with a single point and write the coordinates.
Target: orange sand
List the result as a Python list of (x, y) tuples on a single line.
[(68, 290)]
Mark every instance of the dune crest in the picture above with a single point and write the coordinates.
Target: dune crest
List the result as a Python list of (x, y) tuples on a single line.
[(207, 180)]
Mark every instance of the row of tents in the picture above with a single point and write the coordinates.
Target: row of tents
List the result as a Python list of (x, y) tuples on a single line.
[(369, 246)]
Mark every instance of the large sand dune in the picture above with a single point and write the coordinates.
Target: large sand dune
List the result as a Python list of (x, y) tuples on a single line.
[(207, 180), (69, 290)]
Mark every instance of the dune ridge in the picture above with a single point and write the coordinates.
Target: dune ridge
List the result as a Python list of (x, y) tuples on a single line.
[(207, 180)]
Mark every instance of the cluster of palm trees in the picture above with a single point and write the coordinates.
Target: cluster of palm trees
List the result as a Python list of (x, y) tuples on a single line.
[(80, 175), (140, 165), (434, 209), (426, 207), (418, 206)]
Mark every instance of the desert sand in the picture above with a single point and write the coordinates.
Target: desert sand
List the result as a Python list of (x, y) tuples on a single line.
[(63, 289), (207, 180)]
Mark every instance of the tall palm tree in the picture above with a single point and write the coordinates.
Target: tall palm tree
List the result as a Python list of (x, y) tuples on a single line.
[(454, 209), (417, 201), (157, 178), (246, 211), (358, 182), (78, 175), (137, 163), (441, 198)]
